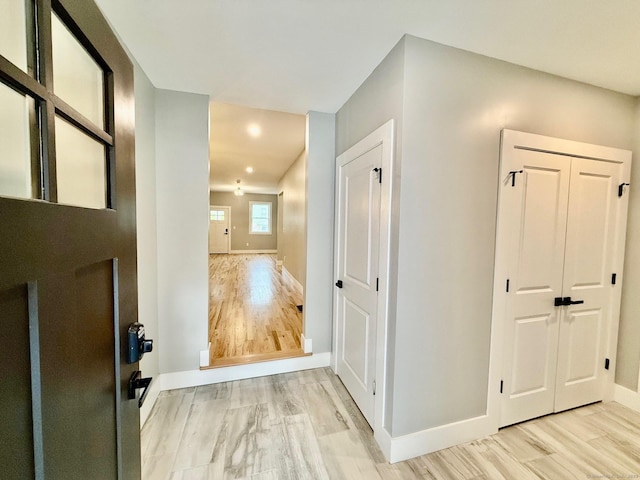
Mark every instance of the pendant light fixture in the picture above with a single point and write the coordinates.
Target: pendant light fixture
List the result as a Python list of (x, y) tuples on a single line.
[(238, 192)]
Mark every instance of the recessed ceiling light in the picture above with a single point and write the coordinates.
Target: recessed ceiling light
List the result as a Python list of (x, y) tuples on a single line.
[(249, 169), (254, 130)]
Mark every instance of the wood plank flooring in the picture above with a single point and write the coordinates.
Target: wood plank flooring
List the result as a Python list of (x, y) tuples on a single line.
[(304, 425), (253, 313)]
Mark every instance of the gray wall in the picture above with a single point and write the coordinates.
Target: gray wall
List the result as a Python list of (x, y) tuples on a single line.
[(239, 231), (146, 215), (318, 311), (182, 186), (293, 246), (629, 335), (378, 100), (454, 105)]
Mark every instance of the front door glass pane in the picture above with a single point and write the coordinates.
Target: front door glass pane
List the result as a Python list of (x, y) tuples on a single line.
[(13, 32), (77, 78), (80, 167), (15, 143)]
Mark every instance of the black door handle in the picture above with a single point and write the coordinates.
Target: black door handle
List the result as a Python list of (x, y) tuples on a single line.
[(226, 231), (137, 383), (339, 284), (563, 301)]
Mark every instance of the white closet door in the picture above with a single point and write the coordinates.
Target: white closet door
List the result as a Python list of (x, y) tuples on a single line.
[(537, 222), (561, 231), (589, 255)]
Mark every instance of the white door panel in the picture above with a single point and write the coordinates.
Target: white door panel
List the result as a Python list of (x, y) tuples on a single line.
[(542, 229), (355, 345), (560, 221), (359, 222), (539, 200), (219, 230), (591, 230), (359, 212)]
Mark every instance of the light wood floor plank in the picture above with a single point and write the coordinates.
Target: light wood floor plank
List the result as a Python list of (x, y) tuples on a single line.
[(304, 425), (197, 445), (253, 314), (555, 466), (303, 445), (248, 449)]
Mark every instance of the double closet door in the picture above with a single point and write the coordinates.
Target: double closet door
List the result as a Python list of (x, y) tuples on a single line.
[(562, 218)]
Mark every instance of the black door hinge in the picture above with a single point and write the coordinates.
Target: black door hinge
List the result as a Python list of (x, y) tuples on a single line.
[(374, 387), (507, 285), (613, 278), (606, 364), (501, 385), (377, 283), (513, 174), (378, 170), (621, 188)]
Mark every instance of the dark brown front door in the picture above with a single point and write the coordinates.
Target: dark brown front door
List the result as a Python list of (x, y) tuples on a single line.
[(67, 245)]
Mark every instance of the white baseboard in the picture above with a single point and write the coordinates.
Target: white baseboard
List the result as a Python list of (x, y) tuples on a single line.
[(194, 378), (290, 278), (150, 400), (306, 344), (236, 252), (626, 397), (383, 439), (205, 356), (434, 439)]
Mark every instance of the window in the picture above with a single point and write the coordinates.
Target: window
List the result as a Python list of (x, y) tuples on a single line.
[(260, 218), (216, 215), (56, 131)]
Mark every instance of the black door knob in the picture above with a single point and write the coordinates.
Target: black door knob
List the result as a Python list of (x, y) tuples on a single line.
[(339, 284)]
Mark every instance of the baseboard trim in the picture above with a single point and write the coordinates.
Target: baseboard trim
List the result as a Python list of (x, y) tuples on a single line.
[(205, 356), (626, 397), (290, 278), (384, 440), (150, 400), (437, 438), (195, 378), (237, 252), (306, 344)]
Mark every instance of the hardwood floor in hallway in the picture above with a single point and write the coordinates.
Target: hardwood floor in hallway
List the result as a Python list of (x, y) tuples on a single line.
[(253, 314), (304, 425)]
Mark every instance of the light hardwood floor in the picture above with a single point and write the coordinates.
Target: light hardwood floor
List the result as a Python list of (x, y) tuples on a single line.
[(304, 425), (253, 313)]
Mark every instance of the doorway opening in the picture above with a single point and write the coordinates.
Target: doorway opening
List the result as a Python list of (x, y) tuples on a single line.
[(257, 235)]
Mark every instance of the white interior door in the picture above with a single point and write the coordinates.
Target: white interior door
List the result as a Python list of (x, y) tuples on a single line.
[(561, 230), (538, 218), (357, 272), (219, 229), (591, 230)]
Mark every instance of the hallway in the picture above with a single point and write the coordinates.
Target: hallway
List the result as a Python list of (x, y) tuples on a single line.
[(253, 313), (305, 425)]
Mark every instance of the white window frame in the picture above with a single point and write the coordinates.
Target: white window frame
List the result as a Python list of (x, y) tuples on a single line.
[(217, 210), (251, 204)]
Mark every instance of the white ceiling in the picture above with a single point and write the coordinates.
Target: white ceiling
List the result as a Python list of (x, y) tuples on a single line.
[(233, 149), (301, 55)]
